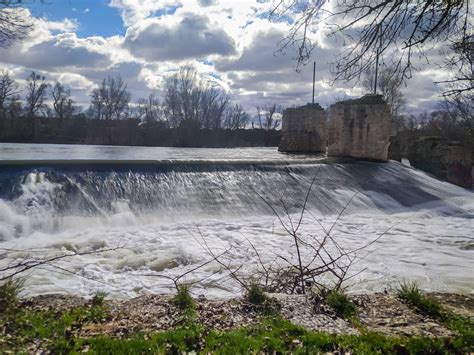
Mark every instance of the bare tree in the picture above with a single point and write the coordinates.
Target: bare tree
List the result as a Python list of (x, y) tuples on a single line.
[(36, 93), (14, 107), (236, 117), (149, 110), (212, 104), (14, 25), (8, 90), (463, 107), (461, 64), (404, 29), (193, 102), (459, 93), (179, 91), (63, 104), (267, 117), (452, 115), (389, 87), (110, 100)]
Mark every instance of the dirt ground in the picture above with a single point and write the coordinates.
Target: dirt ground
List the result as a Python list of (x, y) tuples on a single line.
[(378, 312)]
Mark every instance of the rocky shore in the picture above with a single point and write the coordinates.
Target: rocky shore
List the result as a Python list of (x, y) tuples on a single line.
[(379, 312)]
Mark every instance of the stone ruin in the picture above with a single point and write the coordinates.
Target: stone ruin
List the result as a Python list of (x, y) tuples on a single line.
[(360, 128), (357, 128), (304, 129), (447, 157)]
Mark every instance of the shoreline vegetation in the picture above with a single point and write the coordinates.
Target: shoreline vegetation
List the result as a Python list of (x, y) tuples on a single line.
[(405, 321), (131, 133)]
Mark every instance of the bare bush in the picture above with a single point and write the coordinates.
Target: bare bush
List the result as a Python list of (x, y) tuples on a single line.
[(316, 262)]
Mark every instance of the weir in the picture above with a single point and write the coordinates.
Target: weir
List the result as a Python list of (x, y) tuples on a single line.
[(50, 197)]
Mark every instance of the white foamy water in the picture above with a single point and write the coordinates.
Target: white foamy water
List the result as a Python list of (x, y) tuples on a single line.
[(156, 218)]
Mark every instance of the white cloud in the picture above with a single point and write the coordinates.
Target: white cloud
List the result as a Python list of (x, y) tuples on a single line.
[(56, 53), (192, 37), (134, 11), (206, 3), (228, 42), (66, 25)]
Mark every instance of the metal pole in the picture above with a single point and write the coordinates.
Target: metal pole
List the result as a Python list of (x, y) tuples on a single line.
[(314, 77), (377, 62), (376, 72)]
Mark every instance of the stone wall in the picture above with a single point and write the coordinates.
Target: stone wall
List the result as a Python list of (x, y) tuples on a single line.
[(447, 158), (360, 128), (304, 129)]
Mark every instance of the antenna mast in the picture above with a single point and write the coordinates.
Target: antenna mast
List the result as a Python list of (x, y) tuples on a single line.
[(377, 62), (314, 77)]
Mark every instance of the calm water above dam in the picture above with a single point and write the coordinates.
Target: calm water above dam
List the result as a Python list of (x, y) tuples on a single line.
[(13, 151), (159, 210)]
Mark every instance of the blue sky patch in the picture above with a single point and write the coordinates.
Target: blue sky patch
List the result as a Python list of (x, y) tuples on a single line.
[(94, 17), (170, 10)]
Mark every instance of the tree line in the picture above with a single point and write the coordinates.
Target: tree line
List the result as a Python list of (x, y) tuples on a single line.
[(452, 112), (188, 102)]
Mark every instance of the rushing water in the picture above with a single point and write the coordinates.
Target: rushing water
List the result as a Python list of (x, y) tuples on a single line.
[(158, 204)]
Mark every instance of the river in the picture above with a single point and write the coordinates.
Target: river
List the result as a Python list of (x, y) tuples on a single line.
[(157, 208)]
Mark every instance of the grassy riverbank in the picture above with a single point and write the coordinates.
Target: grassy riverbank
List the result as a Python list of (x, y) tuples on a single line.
[(63, 324)]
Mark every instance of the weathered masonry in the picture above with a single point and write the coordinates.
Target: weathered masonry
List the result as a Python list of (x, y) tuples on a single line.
[(304, 129), (360, 128)]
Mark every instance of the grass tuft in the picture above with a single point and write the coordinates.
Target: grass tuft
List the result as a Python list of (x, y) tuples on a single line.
[(411, 293), (9, 292), (255, 295), (341, 304), (183, 299), (99, 298)]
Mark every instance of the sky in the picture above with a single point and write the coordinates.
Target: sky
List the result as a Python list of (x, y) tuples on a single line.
[(231, 43)]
